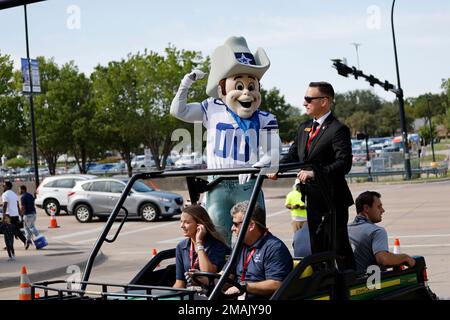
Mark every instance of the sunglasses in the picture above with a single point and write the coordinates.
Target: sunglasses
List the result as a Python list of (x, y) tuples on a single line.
[(310, 99), (237, 224)]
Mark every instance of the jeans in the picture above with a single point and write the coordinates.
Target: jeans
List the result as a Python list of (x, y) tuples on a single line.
[(30, 228), (223, 197)]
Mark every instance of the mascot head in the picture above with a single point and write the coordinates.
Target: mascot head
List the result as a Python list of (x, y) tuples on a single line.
[(235, 74)]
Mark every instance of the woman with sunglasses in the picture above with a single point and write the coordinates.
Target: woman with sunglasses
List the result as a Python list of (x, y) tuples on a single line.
[(204, 248)]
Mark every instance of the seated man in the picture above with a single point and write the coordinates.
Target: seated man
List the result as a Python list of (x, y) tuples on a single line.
[(369, 241), (265, 260), (302, 243)]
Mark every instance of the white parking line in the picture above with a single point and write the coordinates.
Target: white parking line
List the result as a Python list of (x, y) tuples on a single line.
[(421, 236), (133, 231), (423, 245), (80, 233), (173, 240), (278, 213)]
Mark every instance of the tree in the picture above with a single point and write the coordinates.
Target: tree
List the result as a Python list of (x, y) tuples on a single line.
[(419, 104), (388, 120), (53, 116), (346, 104), (82, 129), (158, 82), (361, 121), (288, 116), (117, 107), (12, 122), (424, 132)]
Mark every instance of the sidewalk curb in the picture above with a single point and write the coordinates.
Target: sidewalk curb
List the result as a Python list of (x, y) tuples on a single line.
[(12, 281)]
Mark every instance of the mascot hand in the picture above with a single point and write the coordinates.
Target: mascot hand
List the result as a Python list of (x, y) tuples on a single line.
[(193, 76), (259, 164), (244, 178)]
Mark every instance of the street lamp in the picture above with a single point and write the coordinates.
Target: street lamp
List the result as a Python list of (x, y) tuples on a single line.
[(33, 130), (401, 104), (431, 128), (357, 45)]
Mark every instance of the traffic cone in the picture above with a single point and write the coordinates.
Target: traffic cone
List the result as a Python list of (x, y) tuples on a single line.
[(25, 289), (397, 246), (398, 251), (53, 223), (154, 252)]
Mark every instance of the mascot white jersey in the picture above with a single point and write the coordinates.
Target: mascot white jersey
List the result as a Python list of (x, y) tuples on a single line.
[(238, 133)]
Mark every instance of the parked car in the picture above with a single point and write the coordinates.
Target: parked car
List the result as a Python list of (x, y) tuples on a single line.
[(140, 161), (360, 156), (52, 192), (99, 196), (76, 170), (193, 160), (104, 168)]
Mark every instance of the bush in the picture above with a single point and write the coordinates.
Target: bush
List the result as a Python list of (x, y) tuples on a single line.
[(17, 163)]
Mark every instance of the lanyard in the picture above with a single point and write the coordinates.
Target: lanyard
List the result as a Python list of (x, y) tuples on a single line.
[(246, 262), (191, 256), (312, 136)]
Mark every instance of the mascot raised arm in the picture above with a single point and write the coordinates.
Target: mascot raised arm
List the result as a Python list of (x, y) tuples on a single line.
[(238, 133)]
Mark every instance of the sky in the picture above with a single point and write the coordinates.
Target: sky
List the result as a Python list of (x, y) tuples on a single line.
[(300, 37)]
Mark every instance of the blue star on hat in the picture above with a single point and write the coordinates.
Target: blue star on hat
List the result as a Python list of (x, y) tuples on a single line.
[(244, 59)]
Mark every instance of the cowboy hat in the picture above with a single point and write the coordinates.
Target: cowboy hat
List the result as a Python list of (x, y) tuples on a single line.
[(234, 57)]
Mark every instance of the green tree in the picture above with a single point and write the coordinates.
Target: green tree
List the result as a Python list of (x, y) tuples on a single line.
[(12, 122), (75, 89), (288, 116), (160, 78), (53, 116), (346, 104), (118, 115), (424, 132), (360, 121)]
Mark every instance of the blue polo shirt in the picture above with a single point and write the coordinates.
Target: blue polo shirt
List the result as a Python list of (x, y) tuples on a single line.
[(215, 250), (271, 261)]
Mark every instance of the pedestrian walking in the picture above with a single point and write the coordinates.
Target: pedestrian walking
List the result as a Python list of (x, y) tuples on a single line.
[(11, 208), (8, 232), (28, 213)]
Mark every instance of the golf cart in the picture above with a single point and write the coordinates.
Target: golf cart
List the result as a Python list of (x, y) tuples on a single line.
[(313, 278)]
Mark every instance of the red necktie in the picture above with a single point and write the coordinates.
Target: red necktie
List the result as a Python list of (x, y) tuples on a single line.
[(313, 133)]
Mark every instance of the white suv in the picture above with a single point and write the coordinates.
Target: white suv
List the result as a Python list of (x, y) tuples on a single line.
[(52, 192)]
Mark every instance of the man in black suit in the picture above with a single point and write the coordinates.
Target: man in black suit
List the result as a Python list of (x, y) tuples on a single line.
[(325, 142)]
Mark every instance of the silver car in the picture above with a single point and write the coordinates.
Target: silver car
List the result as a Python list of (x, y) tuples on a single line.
[(98, 197)]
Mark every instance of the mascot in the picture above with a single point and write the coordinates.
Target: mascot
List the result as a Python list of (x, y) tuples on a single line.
[(238, 133)]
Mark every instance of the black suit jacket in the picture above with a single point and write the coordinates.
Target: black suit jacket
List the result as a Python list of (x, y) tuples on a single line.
[(331, 150)]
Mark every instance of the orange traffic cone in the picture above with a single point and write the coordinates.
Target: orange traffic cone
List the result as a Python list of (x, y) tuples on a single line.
[(398, 251), (25, 289), (154, 252), (397, 246), (53, 223)]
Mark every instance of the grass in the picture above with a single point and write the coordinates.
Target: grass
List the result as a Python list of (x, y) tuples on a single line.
[(439, 147), (429, 158)]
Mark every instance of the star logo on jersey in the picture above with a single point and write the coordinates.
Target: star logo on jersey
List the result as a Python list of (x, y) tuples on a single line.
[(244, 59)]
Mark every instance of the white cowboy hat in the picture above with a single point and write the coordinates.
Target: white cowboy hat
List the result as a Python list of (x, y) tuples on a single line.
[(234, 57)]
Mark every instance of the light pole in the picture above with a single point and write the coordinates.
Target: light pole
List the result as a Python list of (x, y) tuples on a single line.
[(431, 128), (33, 131), (401, 104), (357, 54)]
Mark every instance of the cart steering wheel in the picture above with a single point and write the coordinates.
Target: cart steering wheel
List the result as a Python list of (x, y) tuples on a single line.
[(208, 288)]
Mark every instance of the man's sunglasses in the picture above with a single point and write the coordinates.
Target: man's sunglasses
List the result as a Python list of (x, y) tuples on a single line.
[(310, 99)]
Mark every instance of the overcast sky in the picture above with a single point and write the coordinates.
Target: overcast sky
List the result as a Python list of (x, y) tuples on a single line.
[(300, 37)]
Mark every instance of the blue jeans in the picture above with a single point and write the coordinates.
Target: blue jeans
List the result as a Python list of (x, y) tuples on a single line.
[(30, 229), (223, 197)]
